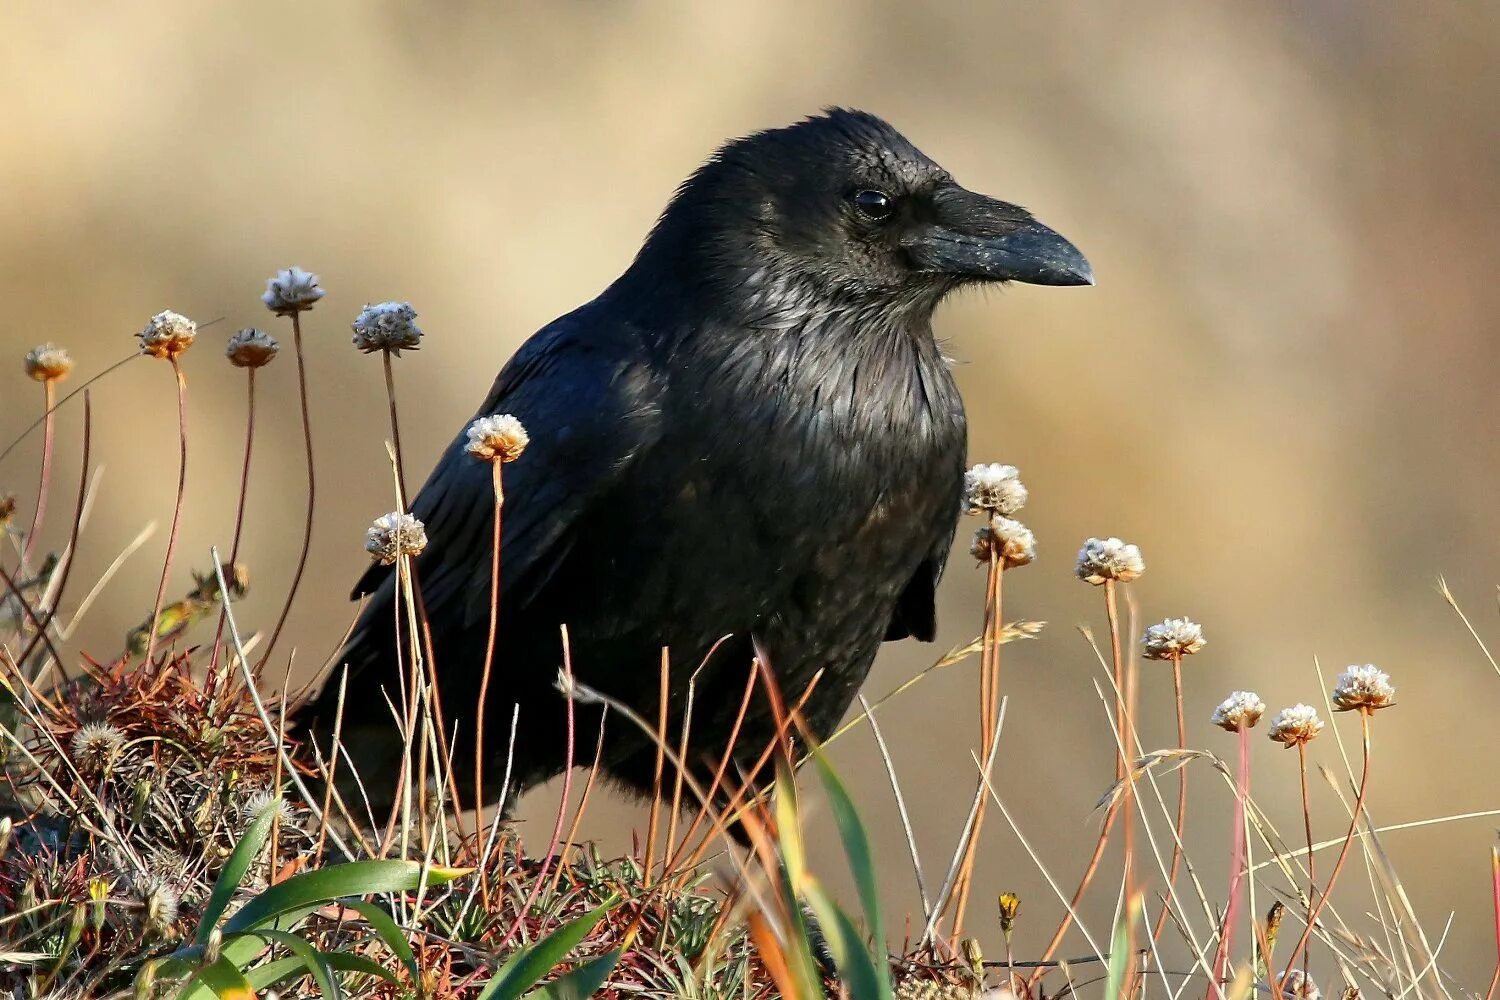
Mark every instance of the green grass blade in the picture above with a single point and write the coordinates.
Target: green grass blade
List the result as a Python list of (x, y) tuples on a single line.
[(583, 981), (861, 974), (1119, 949), (223, 980), (313, 959), (323, 885), (528, 966), (275, 973), (856, 847), (233, 872), (390, 932)]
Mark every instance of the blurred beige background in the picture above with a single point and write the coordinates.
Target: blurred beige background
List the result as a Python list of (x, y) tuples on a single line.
[(1283, 387)]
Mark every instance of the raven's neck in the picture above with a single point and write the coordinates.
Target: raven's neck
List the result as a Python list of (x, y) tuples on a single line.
[(680, 284)]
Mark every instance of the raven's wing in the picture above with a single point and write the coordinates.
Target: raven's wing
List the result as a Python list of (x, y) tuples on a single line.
[(915, 614), (585, 392)]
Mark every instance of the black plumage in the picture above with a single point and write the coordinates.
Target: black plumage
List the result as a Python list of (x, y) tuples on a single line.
[(751, 433)]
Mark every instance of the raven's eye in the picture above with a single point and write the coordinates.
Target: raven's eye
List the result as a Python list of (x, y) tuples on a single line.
[(875, 205)]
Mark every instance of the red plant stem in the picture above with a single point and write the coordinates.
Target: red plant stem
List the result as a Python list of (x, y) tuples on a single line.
[(1495, 891), (562, 806), (484, 675), (1312, 879), (661, 753), (1124, 752), (49, 391), (239, 514), (1236, 867), (66, 567), (1338, 864), (1166, 906), (989, 701), (166, 569), (307, 525)]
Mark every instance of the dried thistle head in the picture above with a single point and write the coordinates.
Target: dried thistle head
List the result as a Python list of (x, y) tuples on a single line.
[(167, 335), (159, 899), (1104, 559), (1172, 637), (387, 326), (48, 363), (1006, 538), (291, 290), (1296, 726), (992, 488), (1241, 710), (393, 535), (264, 799), (498, 438), (95, 746), (1363, 688), (251, 348)]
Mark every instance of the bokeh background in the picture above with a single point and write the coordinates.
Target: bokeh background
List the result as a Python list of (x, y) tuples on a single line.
[(1283, 388)]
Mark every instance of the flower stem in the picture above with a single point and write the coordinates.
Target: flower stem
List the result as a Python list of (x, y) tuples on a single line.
[(49, 392), (166, 569), (1236, 866), (1176, 865), (1338, 864), (1312, 879), (489, 661), (307, 524), (239, 521)]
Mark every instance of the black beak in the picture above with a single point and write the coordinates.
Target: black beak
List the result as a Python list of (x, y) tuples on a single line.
[(974, 236)]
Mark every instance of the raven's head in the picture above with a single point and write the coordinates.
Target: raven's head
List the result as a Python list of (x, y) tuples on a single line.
[(843, 203)]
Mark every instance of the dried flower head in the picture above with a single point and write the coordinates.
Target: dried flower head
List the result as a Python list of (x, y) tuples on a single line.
[(160, 901), (1103, 559), (1241, 710), (387, 326), (167, 335), (1296, 726), (498, 438), (994, 489), (1008, 539), (95, 745), (395, 534), (263, 799), (1172, 637), (1363, 688), (48, 363), (1300, 986), (292, 290), (251, 348)]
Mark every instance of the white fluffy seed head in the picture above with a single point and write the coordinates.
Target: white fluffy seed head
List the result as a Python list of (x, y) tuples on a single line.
[(1241, 710), (291, 290), (1104, 559), (387, 326), (994, 489), (1363, 688), (498, 438), (251, 348), (262, 800), (1172, 637), (167, 335), (1006, 538), (393, 535), (1296, 725), (95, 745), (48, 363)]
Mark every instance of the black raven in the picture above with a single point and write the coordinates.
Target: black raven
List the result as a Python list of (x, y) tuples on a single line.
[(752, 433)]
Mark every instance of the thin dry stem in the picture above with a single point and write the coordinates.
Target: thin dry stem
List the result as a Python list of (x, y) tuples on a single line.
[(307, 524), (166, 569), (489, 663), (49, 390), (1181, 821), (1338, 864)]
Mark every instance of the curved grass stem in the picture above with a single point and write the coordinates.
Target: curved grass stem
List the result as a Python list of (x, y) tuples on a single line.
[(166, 569)]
